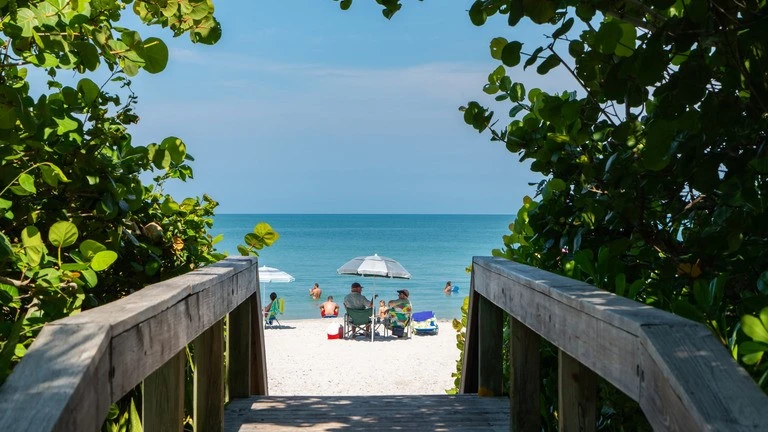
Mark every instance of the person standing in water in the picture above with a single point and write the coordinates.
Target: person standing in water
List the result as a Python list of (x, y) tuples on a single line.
[(448, 288), (315, 292)]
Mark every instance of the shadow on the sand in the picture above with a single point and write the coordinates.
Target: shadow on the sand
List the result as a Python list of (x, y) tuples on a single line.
[(278, 327)]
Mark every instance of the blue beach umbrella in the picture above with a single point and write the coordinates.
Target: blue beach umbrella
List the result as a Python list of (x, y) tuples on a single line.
[(374, 266)]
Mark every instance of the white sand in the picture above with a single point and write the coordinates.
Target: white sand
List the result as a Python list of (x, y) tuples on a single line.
[(301, 360)]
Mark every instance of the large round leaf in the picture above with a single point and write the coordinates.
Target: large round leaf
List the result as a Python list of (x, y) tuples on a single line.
[(89, 248), (63, 234), (254, 240), (510, 54), (27, 182), (33, 245), (265, 231), (754, 328), (102, 260), (155, 55), (497, 44), (175, 148)]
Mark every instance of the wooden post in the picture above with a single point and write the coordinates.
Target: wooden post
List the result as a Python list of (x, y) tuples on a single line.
[(163, 396), (239, 351), (258, 353), (468, 383), (490, 376), (209, 379), (524, 378), (577, 395)]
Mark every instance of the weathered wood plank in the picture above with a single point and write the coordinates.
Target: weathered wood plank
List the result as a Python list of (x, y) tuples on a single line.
[(62, 384), (608, 350), (146, 346), (616, 310), (469, 367), (490, 348), (209, 379), (464, 412), (134, 309), (524, 378), (259, 385), (690, 382), (577, 395), (239, 352), (163, 397), (621, 341), (112, 348)]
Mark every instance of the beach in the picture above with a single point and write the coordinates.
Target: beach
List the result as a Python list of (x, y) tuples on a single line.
[(301, 360)]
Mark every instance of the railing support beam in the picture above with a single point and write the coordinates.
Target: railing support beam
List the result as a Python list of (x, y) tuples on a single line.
[(258, 353), (490, 377), (163, 396), (209, 379), (524, 378), (239, 351), (577, 395), (468, 382)]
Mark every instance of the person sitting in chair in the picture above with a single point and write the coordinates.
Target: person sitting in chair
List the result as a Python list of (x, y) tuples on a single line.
[(272, 298), (401, 305), (329, 309), (402, 299), (355, 299)]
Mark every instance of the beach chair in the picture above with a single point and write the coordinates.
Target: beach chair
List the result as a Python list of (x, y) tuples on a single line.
[(356, 321), (399, 320), (277, 308), (424, 323)]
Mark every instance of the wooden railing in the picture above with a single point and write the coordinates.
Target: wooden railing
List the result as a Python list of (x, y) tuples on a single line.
[(78, 366), (681, 375)]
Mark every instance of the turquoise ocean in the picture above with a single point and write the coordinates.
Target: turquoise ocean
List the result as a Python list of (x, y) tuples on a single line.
[(433, 248)]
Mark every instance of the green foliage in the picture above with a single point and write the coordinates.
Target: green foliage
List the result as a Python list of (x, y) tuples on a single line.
[(78, 228), (262, 235), (460, 326), (654, 162), (655, 167)]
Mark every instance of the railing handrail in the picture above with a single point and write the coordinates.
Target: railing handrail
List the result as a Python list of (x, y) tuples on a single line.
[(681, 375), (79, 365)]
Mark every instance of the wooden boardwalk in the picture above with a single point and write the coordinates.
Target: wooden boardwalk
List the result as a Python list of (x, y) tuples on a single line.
[(463, 412)]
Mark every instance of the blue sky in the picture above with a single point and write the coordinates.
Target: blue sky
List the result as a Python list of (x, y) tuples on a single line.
[(304, 108)]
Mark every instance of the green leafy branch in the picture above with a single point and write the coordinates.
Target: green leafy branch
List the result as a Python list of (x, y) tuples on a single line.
[(262, 236)]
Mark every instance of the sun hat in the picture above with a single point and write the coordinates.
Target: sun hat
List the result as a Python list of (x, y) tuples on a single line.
[(404, 291)]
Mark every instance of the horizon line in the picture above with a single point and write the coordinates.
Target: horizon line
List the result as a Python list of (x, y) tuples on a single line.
[(365, 214)]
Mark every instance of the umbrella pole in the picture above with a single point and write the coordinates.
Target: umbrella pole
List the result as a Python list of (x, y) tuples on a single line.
[(373, 310)]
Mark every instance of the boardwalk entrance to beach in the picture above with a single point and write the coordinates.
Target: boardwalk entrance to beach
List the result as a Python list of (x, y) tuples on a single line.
[(367, 413), (681, 376)]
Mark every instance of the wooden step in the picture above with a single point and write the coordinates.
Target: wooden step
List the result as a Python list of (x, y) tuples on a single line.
[(466, 412)]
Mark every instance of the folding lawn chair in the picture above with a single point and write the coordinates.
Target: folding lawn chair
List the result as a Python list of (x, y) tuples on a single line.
[(400, 320), (356, 321), (277, 308)]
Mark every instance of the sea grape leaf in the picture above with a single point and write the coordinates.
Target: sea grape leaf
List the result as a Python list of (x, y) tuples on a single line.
[(510, 54), (497, 45), (102, 260), (63, 234), (155, 55)]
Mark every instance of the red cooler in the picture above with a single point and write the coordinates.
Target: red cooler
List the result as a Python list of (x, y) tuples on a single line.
[(335, 331)]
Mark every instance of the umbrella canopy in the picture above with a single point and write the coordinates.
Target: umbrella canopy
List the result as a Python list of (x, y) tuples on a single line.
[(374, 265), (271, 274)]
